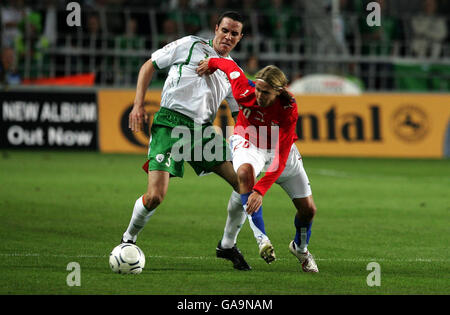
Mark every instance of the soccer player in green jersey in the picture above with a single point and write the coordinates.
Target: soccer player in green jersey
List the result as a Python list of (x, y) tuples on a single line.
[(189, 102)]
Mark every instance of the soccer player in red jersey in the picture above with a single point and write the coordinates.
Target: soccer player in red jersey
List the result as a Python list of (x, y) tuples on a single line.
[(264, 140)]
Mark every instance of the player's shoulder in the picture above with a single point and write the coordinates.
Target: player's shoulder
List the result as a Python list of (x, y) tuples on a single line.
[(172, 46), (187, 41), (198, 44), (194, 38)]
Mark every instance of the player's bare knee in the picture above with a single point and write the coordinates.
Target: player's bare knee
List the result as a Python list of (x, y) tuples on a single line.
[(306, 209), (245, 176), (152, 200), (307, 212), (311, 210)]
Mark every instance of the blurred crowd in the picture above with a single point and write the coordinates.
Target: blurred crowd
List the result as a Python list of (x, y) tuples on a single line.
[(36, 40)]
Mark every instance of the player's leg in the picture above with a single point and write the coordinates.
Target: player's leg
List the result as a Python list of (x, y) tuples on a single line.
[(145, 205), (295, 182), (161, 166), (248, 162), (236, 214), (235, 219), (247, 179), (227, 248), (227, 172), (243, 182), (306, 211)]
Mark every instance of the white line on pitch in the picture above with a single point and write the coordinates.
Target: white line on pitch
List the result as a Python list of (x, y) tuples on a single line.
[(430, 260)]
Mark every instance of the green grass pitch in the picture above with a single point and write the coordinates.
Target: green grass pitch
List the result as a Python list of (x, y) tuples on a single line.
[(62, 207)]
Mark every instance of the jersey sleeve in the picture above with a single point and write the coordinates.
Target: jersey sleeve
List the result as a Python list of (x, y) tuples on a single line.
[(243, 90), (286, 137), (173, 53)]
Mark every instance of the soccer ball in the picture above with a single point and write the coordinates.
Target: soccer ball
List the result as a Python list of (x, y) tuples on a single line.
[(127, 258)]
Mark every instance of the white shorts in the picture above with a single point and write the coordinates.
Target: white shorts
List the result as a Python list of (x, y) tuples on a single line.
[(293, 179)]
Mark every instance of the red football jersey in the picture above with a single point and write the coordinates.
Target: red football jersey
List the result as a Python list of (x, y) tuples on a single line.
[(255, 123)]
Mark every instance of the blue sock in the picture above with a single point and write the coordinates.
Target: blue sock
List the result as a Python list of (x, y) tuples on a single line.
[(303, 233), (257, 217)]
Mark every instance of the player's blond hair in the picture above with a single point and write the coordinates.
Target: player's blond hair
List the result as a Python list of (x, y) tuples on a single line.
[(273, 76), (276, 78)]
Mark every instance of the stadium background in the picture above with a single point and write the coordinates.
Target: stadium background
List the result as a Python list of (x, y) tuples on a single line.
[(42, 54), (70, 89)]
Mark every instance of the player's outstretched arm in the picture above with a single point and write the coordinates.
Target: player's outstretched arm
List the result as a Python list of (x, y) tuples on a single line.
[(242, 90), (138, 114)]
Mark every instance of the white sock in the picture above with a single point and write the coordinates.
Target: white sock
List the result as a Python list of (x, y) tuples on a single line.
[(138, 220), (235, 220), (303, 246), (259, 235)]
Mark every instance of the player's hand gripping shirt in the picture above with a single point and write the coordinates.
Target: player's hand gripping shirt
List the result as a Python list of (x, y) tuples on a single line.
[(184, 91), (282, 113)]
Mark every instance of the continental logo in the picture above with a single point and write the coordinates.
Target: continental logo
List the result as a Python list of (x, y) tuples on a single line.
[(333, 125), (139, 139), (410, 123)]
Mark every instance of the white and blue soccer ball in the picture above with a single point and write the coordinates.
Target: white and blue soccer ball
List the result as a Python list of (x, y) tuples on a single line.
[(127, 259)]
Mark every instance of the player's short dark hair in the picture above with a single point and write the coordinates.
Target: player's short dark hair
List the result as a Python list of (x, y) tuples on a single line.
[(235, 16)]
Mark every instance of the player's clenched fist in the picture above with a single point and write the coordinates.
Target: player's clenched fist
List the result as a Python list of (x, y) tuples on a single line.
[(203, 67)]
